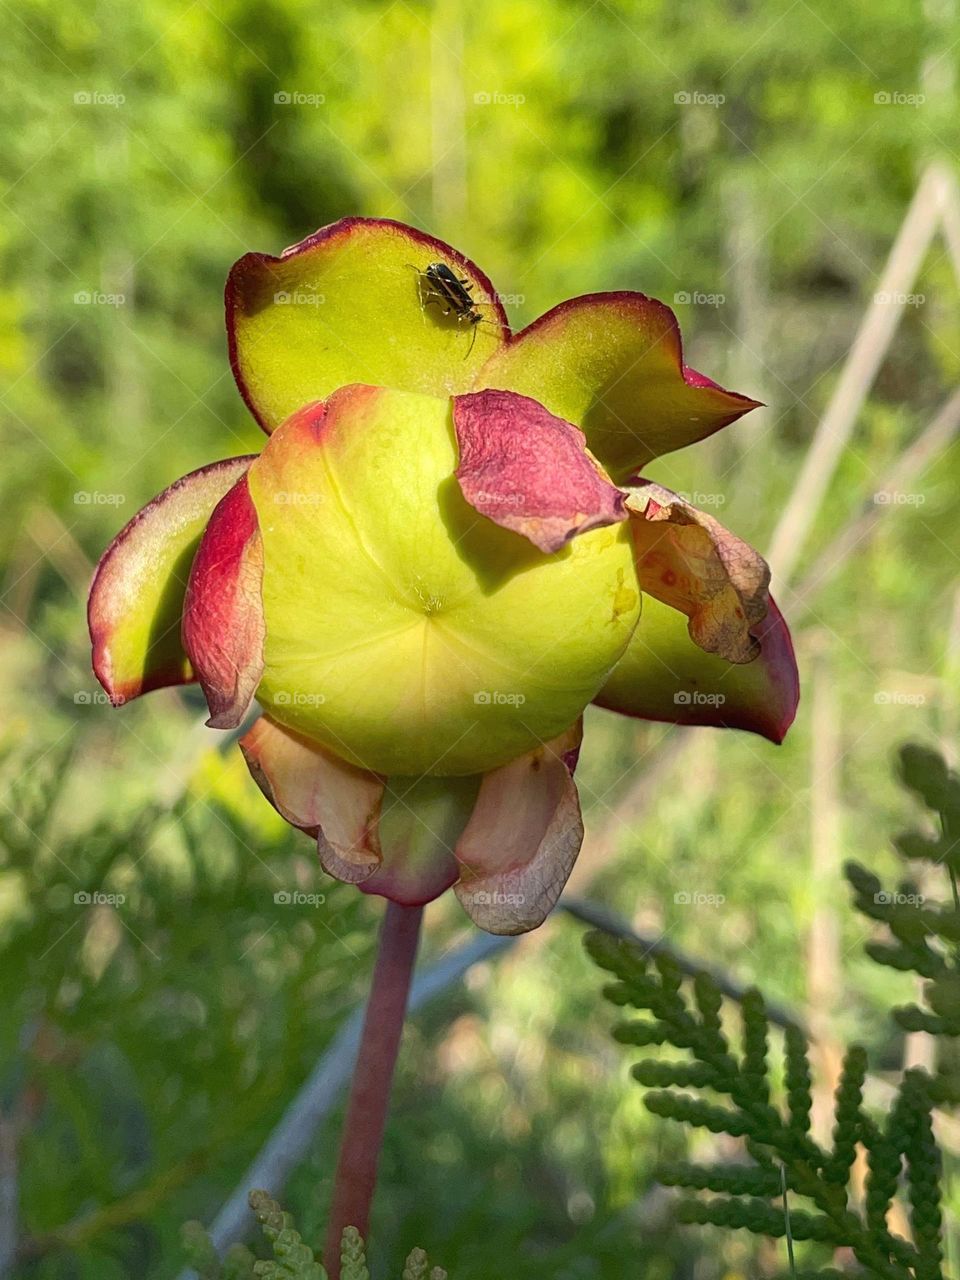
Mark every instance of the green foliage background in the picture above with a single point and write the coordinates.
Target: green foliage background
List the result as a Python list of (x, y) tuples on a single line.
[(148, 1048)]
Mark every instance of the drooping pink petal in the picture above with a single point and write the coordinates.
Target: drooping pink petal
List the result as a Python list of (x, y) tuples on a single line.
[(530, 471), (136, 599), (665, 676), (522, 839), (314, 790), (223, 626), (688, 560)]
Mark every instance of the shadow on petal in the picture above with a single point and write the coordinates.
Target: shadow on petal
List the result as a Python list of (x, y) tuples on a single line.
[(665, 676)]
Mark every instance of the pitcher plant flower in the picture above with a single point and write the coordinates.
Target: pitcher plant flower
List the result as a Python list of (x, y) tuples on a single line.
[(445, 551)]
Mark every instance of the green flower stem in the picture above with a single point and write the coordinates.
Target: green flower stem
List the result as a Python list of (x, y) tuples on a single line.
[(366, 1117)]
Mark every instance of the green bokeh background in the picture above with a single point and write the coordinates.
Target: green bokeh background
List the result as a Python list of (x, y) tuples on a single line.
[(748, 163)]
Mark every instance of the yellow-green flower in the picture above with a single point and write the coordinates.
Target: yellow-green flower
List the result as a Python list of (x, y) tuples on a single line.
[(443, 554)]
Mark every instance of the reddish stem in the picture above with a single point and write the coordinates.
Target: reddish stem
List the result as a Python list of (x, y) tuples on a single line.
[(366, 1117)]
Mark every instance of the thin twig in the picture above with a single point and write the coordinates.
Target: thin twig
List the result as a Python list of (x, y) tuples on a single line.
[(870, 345), (932, 441)]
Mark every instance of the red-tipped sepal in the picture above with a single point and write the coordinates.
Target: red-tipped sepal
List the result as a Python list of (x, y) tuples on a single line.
[(136, 599), (223, 625)]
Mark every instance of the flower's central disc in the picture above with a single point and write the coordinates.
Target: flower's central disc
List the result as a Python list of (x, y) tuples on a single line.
[(405, 631)]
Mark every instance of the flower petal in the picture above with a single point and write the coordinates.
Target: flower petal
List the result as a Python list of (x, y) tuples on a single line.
[(689, 561), (665, 676), (223, 626), (421, 821), (522, 839), (529, 471), (460, 646), (137, 594), (315, 790), (349, 304), (613, 364)]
